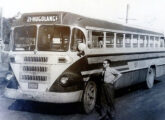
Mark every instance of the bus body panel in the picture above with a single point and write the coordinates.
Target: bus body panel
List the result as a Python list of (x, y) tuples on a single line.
[(134, 71), (51, 97)]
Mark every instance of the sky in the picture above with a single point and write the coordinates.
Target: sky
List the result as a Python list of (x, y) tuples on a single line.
[(144, 13)]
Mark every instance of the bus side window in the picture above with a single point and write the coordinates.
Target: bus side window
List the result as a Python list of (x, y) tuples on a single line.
[(89, 42), (128, 40), (152, 41), (141, 41), (147, 41), (109, 40), (97, 39), (119, 40), (156, 42), (161, 42), (77, 37), (135, 41)]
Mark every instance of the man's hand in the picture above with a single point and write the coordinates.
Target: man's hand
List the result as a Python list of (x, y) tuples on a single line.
[(117, 77)]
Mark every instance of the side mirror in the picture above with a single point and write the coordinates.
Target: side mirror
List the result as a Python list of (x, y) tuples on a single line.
[(81, 46), (89, 44)]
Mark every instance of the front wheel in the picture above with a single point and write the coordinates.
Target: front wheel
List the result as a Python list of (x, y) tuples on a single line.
[(89, 97), (150, 78)]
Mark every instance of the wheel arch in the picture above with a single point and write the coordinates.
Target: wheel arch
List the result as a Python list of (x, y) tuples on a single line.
[(155, 68)]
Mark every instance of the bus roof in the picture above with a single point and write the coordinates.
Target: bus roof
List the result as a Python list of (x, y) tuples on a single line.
[(67, 18)]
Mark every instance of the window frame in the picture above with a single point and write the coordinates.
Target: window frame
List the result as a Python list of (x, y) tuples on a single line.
[(70, 45)]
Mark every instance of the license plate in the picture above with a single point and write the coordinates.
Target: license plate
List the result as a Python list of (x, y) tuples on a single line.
[(33, 85)]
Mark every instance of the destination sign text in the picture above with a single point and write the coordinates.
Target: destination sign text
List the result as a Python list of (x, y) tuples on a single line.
[(41, 19)]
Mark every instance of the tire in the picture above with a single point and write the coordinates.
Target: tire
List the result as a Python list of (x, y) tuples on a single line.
[(89, 97), (150, 78)]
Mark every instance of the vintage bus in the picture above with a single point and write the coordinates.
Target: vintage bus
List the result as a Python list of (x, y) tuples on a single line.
[(56, 57)]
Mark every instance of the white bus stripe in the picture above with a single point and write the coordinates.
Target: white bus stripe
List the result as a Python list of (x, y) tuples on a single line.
[(95, 71)]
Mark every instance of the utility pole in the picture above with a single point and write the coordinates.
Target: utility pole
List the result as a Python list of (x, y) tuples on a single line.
[(127, 14), (126, 18), (127, 11)]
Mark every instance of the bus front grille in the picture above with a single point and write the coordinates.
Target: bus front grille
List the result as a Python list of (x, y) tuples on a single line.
[(34, 73), (34, 78), (35, 59), (35, 68)]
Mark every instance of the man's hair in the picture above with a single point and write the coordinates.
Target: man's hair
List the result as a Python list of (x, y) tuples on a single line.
[(108, 61)]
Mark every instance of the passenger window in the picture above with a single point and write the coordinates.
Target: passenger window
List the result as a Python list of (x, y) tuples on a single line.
[(128, 40), (152, 41), (119, 40), (161, 42), (77, 37), (89, 42), (156, 42), (109, 40), (142, 40), (147, 41), (97, 39), (135, 41)]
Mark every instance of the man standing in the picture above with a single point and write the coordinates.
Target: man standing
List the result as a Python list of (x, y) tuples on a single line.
[(106, 90)]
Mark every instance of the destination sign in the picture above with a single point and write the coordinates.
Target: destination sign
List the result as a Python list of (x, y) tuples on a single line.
[(30, 19)]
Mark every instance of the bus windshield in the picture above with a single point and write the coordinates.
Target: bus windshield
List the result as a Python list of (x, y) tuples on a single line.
[(24, 38), (53, 38)]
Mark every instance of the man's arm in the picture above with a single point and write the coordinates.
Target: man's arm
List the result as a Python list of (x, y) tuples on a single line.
[(117, 75)]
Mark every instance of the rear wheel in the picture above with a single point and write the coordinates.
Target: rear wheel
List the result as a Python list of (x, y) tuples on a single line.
[(89, 97), (150, 78)]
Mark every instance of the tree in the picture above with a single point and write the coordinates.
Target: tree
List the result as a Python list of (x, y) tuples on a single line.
[(7, 23)]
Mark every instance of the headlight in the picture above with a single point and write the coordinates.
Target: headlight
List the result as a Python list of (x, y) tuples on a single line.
[(64, 80), (9, 76)]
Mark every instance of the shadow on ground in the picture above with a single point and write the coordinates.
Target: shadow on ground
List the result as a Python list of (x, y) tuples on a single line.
[(127, 90), (45, 108)]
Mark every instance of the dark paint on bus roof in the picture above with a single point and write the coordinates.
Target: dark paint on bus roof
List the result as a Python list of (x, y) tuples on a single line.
[(67, 18)]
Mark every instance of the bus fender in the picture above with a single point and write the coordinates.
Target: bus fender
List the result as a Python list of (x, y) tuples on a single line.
[(68, 82)]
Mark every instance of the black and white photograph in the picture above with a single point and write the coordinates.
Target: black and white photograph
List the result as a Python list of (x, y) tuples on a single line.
[(82, 60)]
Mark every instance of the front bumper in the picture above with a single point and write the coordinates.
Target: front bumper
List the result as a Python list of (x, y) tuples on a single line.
[(51, 97)]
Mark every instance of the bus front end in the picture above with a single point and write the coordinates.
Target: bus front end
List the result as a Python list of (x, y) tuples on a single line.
[(40, 63)]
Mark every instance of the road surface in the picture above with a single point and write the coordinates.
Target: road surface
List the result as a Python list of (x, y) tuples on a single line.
[(134, 103)]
